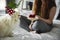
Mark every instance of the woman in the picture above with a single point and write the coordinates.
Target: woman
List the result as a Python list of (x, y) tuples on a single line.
[(45, 11)]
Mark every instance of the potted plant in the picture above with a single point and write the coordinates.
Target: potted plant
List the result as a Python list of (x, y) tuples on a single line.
[(11, 6)]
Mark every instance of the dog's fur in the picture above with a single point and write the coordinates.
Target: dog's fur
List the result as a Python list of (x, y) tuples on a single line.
[(7, 24)]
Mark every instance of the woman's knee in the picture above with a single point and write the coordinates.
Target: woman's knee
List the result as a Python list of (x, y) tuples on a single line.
[(35, 25), (41, 26)]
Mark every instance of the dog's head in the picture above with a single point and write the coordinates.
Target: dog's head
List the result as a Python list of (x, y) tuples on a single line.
[(15, 16)]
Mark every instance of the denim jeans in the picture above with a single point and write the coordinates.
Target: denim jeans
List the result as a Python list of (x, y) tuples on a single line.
[(38, 25), (41, 27)]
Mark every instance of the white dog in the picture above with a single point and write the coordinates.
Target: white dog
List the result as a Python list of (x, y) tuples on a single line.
[(7, 23)]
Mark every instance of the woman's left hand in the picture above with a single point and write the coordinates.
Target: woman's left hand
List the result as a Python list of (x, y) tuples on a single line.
[(37, 17)]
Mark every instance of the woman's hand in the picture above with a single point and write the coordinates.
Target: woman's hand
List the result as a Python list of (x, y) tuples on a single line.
[(37, 17)]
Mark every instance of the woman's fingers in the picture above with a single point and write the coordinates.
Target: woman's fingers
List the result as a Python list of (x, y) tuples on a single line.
[(36, 17)]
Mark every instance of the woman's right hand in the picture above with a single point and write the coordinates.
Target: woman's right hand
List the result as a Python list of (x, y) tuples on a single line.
[(36, 17)]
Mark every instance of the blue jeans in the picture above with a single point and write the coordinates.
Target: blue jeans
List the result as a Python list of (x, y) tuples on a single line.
[(38, 26), (41, 27)]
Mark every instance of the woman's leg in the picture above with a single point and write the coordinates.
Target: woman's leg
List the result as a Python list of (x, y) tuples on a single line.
[(41, 27), (24, 23)]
